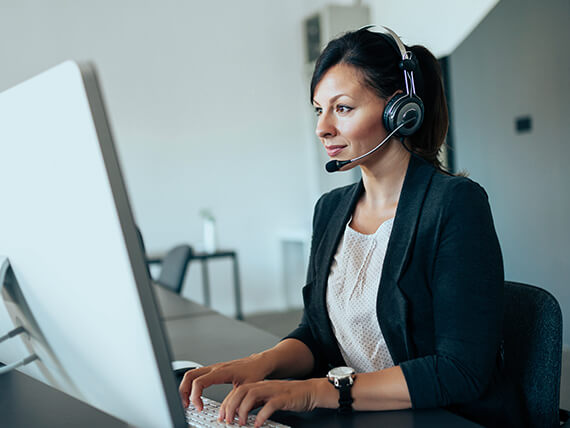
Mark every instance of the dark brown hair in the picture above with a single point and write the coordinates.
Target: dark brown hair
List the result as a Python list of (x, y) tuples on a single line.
[(377, 59)]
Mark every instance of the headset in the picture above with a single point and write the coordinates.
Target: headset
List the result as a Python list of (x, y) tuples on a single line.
[(405, 108), (404, 113)]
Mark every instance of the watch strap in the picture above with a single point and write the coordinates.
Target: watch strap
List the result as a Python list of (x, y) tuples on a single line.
[(345, 397)]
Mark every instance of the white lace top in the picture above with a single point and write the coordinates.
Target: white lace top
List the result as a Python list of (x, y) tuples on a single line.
[(352, 293)]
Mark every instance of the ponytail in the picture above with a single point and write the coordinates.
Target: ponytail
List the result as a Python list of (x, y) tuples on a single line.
[(429, 138)]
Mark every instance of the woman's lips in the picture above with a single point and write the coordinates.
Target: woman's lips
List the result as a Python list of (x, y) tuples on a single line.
[(334, 150)]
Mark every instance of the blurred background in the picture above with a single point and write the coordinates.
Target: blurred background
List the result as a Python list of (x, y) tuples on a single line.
[(209, 106)]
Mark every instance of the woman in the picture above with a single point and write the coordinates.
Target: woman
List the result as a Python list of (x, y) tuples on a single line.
[(405, 277)]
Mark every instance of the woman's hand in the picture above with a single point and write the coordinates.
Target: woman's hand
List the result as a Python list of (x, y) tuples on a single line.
[(298, 396), (238, 372)]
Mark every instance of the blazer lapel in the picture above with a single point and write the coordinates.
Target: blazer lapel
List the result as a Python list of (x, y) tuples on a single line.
[(323, 260), (392, 305)]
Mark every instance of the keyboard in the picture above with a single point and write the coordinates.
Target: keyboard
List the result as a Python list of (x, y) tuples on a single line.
[(208, 417)]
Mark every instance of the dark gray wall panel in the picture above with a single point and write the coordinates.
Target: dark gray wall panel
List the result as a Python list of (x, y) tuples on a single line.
[(516, 63)]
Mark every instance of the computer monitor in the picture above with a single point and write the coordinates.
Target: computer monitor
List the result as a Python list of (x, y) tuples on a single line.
[(67, 229)]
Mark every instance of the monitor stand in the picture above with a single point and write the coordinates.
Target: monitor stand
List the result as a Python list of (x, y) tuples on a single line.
[(28, 330)]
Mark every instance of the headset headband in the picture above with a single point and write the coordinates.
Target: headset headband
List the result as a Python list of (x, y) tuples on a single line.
[(408, 64), (404, 113)]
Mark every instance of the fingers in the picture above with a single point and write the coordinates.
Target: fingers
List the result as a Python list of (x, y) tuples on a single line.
[(200, 383), (266, 411), (186, 385), (232, 402), (242, 399), (238, 372), (254, 398), (195, 381), (290, 395), (239, 402)]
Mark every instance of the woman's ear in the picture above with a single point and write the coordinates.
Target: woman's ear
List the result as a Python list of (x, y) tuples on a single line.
[(399, 91)]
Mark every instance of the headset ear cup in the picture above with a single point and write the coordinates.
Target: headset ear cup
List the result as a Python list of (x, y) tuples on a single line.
[(387, 116), (398, 109)]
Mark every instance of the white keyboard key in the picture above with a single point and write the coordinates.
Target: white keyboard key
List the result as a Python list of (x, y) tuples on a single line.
[(208, 417)]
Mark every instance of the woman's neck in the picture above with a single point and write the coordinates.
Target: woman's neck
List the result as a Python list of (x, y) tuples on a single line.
[(383, 179)]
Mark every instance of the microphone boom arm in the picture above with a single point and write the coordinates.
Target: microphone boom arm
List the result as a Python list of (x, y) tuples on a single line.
[(335, 165)]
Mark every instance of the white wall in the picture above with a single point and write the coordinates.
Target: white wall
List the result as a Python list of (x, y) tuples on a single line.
[(209, 109), (209, 106), (440, 25)]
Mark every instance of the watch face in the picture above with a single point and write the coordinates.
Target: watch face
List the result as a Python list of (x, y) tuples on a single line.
[(341, 372)]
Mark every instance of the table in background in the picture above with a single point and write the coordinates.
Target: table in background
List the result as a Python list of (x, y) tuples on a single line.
[(204, 257)]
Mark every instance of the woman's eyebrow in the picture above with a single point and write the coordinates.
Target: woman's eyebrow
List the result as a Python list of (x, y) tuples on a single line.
[(333, 99)]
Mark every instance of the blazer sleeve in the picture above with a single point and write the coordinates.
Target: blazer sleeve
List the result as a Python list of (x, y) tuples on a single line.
[(303, 331), (467, 296)]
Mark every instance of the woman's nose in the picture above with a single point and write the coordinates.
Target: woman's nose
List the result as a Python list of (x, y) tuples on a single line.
[(325, 127)]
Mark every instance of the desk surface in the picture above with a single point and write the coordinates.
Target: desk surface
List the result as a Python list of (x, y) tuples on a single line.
[(26, 402), (199, 334), (196, 255), (222, 339), (173, 306)]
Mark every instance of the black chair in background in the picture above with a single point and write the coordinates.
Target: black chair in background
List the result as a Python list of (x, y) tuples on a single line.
[(173, 265), (141, 242), (533, 350)]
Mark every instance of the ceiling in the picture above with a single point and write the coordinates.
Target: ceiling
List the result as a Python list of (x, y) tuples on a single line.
[(440, 25)]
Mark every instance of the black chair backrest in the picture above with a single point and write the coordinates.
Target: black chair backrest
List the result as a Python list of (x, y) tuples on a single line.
[(173, 268), (141, 242), (533, 349)]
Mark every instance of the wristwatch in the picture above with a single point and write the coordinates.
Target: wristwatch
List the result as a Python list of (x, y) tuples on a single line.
[(343, 378)]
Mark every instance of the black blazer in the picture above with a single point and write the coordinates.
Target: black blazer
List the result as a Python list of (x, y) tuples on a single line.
[(440, 297)]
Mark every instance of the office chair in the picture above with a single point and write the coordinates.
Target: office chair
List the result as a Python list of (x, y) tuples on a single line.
[(141, 242), (173, 268), (173, 265), (533, 350)]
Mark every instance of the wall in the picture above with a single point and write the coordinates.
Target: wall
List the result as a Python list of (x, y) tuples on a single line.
[(208, 102), (209, 109), (440, 25), (515, 64)]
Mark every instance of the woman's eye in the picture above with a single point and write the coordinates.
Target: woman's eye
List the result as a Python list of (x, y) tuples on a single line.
[(318, 111), (343, 109)]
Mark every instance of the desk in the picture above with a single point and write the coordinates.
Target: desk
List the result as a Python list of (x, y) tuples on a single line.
[(203, 257), (223, 339), (173, 306), (26, 402), (200, 334)]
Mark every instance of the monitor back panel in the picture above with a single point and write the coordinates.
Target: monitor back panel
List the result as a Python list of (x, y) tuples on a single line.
[(67, 229)]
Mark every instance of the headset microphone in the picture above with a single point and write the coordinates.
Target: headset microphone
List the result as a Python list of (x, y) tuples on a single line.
[(335, 165)]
